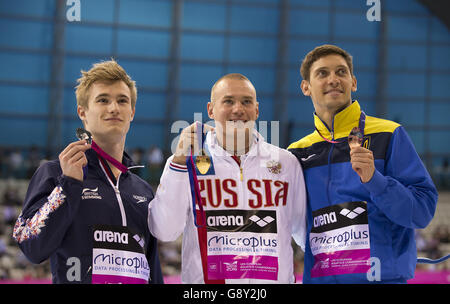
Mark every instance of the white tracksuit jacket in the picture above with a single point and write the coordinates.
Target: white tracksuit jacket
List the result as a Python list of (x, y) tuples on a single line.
[(252, 210)]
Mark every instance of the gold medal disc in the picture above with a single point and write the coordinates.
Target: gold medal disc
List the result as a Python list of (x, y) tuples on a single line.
[(203, 162)]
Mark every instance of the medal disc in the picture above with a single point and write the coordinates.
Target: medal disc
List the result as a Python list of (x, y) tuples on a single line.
[(203, 162), (355, 138)]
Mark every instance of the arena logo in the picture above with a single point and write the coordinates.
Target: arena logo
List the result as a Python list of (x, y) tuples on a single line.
[(222, 220), (262, 222), (351, 214), (325, 219), (255, 221), (111, 237)]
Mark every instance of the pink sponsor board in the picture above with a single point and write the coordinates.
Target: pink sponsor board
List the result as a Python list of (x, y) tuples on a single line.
[(420, 277), (430, 277), (242, 267), (341, 262), (115, 279)]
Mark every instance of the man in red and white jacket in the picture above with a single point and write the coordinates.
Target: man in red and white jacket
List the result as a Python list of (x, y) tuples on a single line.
[(252, 195)]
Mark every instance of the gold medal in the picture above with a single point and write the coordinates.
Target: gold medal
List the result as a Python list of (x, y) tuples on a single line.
[(203, 162)]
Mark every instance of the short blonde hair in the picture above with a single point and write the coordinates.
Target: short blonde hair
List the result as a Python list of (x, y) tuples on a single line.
[(105, 71)]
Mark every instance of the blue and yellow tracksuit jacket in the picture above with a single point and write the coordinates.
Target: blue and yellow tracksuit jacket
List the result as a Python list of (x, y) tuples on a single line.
[(400, 196)]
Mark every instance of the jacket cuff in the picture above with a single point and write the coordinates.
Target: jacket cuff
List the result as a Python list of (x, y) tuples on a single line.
[(377, 184), (178, 168), (70, 186), (62, 179)]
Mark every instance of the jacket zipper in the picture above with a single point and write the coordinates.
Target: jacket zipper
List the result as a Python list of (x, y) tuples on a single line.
[(117, 192), (240, 185), (241, 171), (119, 200), (329, 161)]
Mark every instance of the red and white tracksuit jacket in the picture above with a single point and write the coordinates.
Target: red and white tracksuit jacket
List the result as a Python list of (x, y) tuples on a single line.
[(252, 209)]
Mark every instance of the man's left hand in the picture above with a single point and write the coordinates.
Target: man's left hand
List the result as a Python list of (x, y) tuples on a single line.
[(362, 162)]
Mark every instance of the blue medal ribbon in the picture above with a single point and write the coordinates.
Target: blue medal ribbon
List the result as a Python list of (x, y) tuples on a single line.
[(193, 181)]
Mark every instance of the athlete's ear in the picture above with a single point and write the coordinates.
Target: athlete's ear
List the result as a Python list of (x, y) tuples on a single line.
[(81, 113), (304, 86), (133, 111), (354, 84), (209, 108)]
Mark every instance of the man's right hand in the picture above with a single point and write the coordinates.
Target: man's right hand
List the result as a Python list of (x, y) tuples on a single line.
[(188, 140), (72, 159)]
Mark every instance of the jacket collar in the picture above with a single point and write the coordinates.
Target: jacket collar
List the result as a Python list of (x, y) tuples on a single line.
[(343, 122), (217, 150), (92, 158)]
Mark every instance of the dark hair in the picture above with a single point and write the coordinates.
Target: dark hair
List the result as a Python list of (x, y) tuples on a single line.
[(322, 51)]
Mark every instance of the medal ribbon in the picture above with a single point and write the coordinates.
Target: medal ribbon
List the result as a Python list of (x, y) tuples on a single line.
[(362, 124), (109, 158), (195, 190)]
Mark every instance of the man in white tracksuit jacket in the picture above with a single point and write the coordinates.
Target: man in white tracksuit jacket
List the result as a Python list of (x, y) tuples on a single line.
[(253, 197)]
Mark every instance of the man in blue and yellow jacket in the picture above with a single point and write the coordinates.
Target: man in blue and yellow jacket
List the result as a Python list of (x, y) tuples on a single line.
[(364, 199)]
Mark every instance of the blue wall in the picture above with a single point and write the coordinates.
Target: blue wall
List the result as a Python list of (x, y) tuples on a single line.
[(218, 37)]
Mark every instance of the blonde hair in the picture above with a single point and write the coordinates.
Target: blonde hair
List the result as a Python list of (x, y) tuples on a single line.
[(105, 71)]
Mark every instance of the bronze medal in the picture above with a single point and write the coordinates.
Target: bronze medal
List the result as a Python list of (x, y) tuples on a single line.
[(355, 138)]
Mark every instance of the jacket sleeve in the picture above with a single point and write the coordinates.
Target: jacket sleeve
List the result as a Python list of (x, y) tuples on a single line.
[(298, 205), (156, 276), (168, 211), (405, 194), (51, 202)]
